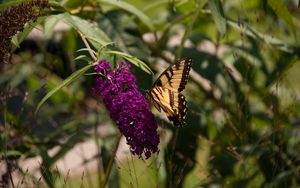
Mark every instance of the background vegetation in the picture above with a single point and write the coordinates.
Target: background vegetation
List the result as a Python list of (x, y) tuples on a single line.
[(243, 92)]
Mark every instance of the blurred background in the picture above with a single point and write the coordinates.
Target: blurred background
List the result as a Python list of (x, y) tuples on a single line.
[(243, 94)]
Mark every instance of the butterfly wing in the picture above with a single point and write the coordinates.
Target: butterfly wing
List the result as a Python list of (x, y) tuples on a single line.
[(175, 76), (171, 102), (165, 93)]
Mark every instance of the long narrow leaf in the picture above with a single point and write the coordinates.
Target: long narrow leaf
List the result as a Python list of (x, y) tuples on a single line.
[(131, 9), (49, 26), (93, 33), (281, 10), (66, 82), (20, 36), (251, 32), (133, 60), (218, 15)]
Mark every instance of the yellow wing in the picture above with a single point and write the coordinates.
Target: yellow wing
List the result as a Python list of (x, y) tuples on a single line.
[(171, 102), (175, 76), (165, 93)]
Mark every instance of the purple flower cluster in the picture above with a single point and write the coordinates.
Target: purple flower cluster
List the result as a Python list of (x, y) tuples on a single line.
[(128, 107)]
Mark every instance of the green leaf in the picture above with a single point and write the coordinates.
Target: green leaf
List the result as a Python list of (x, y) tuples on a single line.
[(131, 9), (132, 59), (20, 36), (88, 50), (50, 23), (104, 46), (72, 4), (188, 31), (281, 10), (155, 5), (218, 15), (11, 3), (93, 33), (252, 59), (82, 57), (66, 82), (11, 153), (251, 32)]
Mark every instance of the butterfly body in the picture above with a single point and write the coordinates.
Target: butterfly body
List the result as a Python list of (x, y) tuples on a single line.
[(165, 92)]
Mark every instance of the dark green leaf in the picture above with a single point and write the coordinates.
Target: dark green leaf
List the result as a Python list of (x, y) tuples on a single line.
[(218, 15), (66, 82), (252, 32), (281, 10), (131, 9), (93, 33)]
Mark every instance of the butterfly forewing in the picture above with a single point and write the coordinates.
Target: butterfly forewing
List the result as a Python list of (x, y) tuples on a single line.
[(175, 76), (165, 93)]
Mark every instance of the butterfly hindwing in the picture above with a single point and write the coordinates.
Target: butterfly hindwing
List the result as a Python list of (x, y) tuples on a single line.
[(179, 110), (171, 102), (165, 93)]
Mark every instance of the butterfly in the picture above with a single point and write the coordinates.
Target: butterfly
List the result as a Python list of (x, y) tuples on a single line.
[(165, 92)]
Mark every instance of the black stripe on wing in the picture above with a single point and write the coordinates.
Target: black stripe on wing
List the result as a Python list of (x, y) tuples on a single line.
[(179, 112), (175, 76), (154, 95)]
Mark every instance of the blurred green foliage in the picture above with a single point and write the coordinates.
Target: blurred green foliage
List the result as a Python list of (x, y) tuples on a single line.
[(243, 94)]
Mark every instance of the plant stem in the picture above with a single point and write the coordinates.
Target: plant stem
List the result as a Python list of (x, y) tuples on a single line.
[(88, 46), (110, 164)]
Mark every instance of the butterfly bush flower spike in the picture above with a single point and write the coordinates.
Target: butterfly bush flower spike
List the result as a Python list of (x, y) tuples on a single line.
[(128, 107)]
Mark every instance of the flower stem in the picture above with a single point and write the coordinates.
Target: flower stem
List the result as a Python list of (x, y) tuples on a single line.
[(88, 47), (111, 161)]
